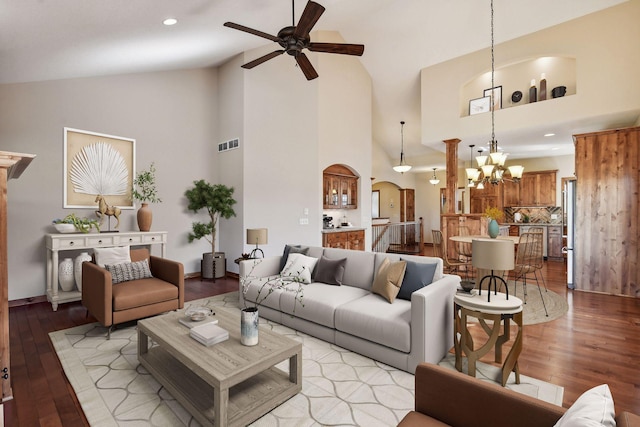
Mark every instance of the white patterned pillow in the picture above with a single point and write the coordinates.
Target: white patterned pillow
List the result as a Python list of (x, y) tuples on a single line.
[(299, 268), (127, 271)]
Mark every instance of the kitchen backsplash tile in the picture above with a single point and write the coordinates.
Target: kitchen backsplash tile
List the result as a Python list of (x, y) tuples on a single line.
[(544, 215)]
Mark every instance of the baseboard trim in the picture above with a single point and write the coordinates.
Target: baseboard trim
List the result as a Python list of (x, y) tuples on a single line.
[(198, 275), (27, 301)]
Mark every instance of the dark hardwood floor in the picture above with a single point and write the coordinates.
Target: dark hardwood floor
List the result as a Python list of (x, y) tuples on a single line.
[(598, 341)]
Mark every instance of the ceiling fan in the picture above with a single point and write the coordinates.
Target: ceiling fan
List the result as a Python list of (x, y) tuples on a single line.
[(295, 38)]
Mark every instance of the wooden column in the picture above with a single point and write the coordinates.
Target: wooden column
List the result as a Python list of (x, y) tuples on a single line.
[(11, 166), (452, 174)]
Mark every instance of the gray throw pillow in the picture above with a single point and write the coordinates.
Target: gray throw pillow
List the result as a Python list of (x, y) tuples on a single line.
[(330, 271), (417, 276), (127, 271), (297, 249)]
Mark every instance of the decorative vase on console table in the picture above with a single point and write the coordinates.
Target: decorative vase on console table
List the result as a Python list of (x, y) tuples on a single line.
[(145, 217), (65, 274), (144, 190), (77, 268), (249, 326)]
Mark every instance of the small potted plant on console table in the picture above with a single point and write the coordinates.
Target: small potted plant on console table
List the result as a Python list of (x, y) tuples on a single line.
[(144, 190)]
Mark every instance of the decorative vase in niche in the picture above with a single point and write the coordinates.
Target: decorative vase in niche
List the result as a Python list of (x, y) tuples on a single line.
[(77, 268), (249, 326), (145, 216), (494, 229), (65, 274)]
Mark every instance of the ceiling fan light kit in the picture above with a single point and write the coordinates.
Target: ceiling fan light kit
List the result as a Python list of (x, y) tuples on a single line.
[(295, 39)]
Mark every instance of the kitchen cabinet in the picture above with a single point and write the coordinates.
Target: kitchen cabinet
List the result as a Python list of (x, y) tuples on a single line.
[(554, 243), (538, 189), (481, 199), (353, 239), (510, 194), (340, 188)]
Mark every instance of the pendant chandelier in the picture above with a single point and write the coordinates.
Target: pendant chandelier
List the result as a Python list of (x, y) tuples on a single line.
[(434, 180), (402, 167), (491, 168)]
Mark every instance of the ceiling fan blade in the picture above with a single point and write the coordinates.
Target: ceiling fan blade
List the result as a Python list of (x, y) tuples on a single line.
[(310, 16), (265, 58), (341, 48), (306, 67), (251, 31)]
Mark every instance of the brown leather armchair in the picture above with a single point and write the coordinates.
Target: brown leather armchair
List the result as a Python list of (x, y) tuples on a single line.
[(445, 397), (112, 304)]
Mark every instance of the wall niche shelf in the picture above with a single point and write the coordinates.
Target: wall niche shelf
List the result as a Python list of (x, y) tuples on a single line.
[(558, 70)]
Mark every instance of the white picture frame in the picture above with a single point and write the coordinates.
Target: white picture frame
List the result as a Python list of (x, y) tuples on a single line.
[(480, 105)]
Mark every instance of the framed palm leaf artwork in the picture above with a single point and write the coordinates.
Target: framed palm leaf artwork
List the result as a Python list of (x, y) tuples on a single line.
[(97, 164)]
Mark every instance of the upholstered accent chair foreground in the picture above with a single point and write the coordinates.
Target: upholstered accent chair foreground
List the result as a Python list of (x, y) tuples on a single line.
[(445, 397), (118, 292)]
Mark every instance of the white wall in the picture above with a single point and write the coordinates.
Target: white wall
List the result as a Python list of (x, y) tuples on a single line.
[(230, 165), (605, 46), (172, 116), (293, 129), (345, 129)]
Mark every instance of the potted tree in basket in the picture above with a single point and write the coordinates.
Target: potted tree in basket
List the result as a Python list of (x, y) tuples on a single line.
[(144, 190), (218, 201)]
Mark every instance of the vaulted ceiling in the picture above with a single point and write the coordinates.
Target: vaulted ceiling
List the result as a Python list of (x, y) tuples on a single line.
[(59, 39)]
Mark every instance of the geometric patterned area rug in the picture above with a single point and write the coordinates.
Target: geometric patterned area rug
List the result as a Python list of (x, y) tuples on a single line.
[(339, 387)]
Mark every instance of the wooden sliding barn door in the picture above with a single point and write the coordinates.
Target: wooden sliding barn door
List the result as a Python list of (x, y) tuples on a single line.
[(608, 212)]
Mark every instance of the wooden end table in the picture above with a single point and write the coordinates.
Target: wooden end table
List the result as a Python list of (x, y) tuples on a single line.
[(226, 384), (499, 311)]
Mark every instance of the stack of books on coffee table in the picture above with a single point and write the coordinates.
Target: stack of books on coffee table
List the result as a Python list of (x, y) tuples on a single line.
[(209, 334)]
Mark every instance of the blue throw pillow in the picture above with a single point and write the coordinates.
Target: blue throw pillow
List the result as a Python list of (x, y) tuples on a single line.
[(417, 276)]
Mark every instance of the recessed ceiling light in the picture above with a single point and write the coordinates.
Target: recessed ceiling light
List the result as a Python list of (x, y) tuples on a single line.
[(555, 148), (549, 134), (170, 21)]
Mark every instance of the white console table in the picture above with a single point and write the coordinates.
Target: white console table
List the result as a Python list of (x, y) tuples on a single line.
[(67, 242)]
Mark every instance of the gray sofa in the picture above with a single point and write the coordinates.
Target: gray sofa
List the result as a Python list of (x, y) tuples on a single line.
[(401, 334)]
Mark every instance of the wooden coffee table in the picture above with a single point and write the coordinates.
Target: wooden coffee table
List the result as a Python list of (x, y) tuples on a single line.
[(227, 384)]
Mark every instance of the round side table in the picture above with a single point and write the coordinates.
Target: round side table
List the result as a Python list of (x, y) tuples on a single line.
[(499, 310)]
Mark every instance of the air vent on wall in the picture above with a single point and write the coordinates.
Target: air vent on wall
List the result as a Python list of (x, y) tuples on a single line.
[(228, 145)]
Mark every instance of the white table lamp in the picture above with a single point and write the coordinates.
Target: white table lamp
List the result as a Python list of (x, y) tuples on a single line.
[(257, 236), (492, 254)]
